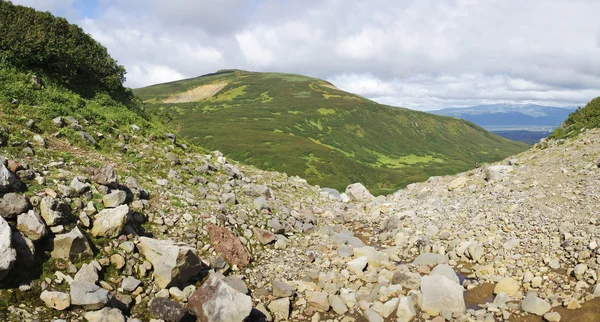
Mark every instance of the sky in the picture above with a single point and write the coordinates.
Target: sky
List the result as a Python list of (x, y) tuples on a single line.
[(420, 54)]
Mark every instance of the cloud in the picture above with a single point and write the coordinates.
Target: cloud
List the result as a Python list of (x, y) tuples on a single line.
[(412, 53)]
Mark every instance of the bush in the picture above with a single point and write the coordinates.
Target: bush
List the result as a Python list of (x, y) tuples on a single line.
[(587, 117)]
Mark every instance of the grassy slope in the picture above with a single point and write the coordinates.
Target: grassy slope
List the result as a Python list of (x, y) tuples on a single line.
[(587, 117), (301, 126)]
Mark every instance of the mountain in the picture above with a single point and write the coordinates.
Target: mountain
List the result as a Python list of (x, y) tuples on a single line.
[(307, 127), (510, 115)]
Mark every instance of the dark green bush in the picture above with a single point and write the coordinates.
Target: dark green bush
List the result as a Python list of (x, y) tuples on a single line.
[(587, 117)]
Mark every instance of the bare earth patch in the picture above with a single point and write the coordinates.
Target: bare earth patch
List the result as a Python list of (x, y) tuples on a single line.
[(330, 86), (196, 94)]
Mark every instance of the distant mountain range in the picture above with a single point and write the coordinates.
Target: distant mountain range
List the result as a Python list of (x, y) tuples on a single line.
[(506, 116), (521, 122)]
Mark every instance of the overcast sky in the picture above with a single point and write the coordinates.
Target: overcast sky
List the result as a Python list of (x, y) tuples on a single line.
[(420, 54)]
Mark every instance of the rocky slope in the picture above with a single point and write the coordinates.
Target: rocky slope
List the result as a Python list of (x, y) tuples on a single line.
[(179, 235)]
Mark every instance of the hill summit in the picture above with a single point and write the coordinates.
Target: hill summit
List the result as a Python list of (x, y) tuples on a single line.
[(306, 126)]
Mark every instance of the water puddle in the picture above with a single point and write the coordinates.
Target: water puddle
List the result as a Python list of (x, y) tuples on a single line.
[(589, 312), (479, 295)]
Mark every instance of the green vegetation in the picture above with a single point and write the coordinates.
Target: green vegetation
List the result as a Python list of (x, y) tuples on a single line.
[(309, 128), (587, 117), (51, 47)]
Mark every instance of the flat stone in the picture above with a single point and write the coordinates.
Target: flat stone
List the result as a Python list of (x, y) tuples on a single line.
[(552, 317), (105, 315), (264, 236), (89, 296), (71, 245), (535, 305), (280, 309), (281, 289), (507, 285), (318, 300), (114, 199), (431, 259), (110, 222), (130, 283)]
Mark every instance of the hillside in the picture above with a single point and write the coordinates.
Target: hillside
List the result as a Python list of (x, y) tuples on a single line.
[(583, 118), (307, 127)]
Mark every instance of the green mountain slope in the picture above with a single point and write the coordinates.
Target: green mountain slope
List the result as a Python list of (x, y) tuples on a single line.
[(305, 126), (587, 117)]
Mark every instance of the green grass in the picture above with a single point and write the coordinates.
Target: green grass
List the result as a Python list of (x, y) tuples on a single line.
[(303, 126), (587, 117)]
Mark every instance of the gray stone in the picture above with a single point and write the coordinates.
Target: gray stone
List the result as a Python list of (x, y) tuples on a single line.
[(552, 317), (87, 273), (54, 212), (32, 225), (229, 199), (445, 270), (70, 245), (431, 259), (114, 199), (167, 310), (406, 309), (89, 296), (358, 192), (372, 316), (87, 138), (173, 262), (12, 205), (105, 176), (441, 294), (237, 282), (318, 300), (282, 289), (130, 283), (215, 301), (78, 186), (337, 304), (105, 315), (8, 255), (280, 309), (109, 222), (496, 172), (261, 203), (535, 305), (475, 251), (8, 181)]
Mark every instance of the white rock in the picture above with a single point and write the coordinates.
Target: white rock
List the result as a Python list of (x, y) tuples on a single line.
[(358, 192), (110, 222), (406, 309), (441, 294), (8, 254)]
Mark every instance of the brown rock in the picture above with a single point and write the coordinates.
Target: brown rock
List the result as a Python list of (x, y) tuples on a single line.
[(264, 236), (215, 301), (14, 166), (228, 246)]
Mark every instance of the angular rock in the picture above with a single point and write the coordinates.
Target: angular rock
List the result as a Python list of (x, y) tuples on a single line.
[(105, 315), (70, 245), (89, 296), (318, 300), (167, 310), (496, 172), (261, 203), (457, 183), (430, 259), (87, 273), (507, 285), (12, 205), (105, 176), (281, 289), (109, 222), (441, 294), (8, 255), (32, 225), (357, 265), (445, 270), (229, 246), (358, 192), (337, 304), (78, 186), (114, 199), (54, 212), (9, 182), (130, 283), (173, 263), (406, 309), (215, 301), (280, 309), (264, 236), (535, 305), (56, 300)]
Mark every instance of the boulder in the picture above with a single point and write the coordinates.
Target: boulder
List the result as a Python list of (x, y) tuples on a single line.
[(9, 182), (535, 305), (447, 271), (280, 309), (70, 245), (264, 236), (114, 199), (229, 246), (440, 293), (167, 310), (56, 300), (357, 265), (89, 296), (8, 255), (105, 315), (319, 301), (358, 192), (457, 183), (54, 212), (281, 289), (215, 301), (105, 176), (110, 221), (12, 205), (87, 273), (32, 225), (174, 263)]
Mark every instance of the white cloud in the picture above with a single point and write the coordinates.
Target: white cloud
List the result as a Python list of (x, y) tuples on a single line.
[(418, 54)]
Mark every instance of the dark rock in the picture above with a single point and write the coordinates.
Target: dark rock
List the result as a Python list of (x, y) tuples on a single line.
[(12, 205), (167, 310)]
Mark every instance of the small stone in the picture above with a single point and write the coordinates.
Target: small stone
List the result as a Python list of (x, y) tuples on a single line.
[(507, 285), (130, 283), (535, 305), (280, 309), (319, 300), (552, 317), (56, 300)]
